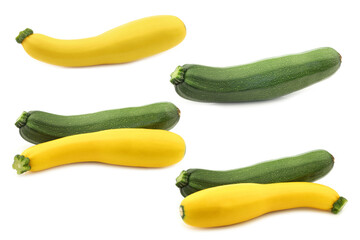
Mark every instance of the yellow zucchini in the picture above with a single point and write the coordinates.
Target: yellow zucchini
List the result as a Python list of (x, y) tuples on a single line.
[(129, 42), (128, 147), (235, 203)]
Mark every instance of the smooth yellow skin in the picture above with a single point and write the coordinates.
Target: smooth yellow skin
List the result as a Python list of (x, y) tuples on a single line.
[(129, 147), (235, 203), (126, 43)]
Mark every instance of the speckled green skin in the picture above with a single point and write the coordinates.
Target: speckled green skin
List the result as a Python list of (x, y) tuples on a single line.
[(37, 127), (306, 167), (257, 81)]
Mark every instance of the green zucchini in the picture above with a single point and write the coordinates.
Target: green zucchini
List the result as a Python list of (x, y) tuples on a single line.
[(263, 80), (37, 127), (306, 167)]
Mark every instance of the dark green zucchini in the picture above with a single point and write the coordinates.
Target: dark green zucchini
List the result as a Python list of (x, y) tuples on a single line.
[(257, 81), (306, 167), (37, 127)]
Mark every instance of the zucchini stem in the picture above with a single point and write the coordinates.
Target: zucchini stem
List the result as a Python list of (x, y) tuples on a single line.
[(21, 121), (338, 205), (21, 164), (177, 76), (182, 180), (23, 34)]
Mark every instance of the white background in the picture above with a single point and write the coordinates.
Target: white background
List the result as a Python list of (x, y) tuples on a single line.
[(97, 201)]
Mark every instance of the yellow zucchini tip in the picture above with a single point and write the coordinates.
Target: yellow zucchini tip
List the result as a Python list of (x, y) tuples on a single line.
[(182, 212)]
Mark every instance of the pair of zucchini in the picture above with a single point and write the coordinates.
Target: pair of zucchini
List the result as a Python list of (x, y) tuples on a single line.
[(134, 136), (218, 198)]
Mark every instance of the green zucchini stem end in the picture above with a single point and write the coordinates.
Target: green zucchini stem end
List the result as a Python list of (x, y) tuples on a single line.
[(177, 76), (21, 164), (23, 34), (338, 205), (21, 121), (182, 180)]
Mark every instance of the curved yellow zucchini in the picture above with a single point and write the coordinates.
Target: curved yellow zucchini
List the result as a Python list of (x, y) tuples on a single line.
[(129, 147), (126, 43), (235, 203)]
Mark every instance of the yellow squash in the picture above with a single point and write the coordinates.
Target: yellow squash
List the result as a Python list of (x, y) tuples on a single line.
[(235, 203), (129, 147), (129, 42)]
